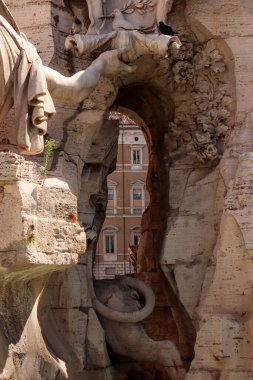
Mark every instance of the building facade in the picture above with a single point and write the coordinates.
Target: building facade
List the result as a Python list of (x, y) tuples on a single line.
[(127, 199)]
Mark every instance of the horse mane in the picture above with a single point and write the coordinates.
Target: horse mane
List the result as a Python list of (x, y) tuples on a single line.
[(5, 12)]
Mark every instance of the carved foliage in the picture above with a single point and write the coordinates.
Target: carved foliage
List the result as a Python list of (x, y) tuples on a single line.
[(140, 6), (203, 112)]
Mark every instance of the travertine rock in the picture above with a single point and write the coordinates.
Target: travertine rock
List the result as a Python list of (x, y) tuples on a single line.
[(38, 217), (95, 342), (195, 108)]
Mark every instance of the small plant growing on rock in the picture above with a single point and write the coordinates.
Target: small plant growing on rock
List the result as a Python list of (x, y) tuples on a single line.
[(30, 237), (30, 234), (48, 148)]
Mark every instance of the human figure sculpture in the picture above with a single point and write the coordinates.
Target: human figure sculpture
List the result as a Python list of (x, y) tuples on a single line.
[(32, 87), (98, 8), (121, 28)]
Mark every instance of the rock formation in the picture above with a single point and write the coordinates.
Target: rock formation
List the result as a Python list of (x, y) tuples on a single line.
[(191, 95)]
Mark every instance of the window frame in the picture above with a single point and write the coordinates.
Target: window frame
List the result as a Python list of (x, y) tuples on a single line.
[(140, 186), (135, 231), (110, 231), (141, 193), (112, 186), (109, 237), (134, 164)]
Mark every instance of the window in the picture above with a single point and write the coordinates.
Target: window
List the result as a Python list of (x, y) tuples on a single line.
[(137, 211), (110, 271), (137, 197), (110, 194), (136, 156), (109, 243), (111, 208), (137, 194), (110, 240), (136, 235), (109, 211), (136, 239)]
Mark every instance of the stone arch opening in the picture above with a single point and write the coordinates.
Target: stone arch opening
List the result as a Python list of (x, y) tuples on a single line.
[(146, 102), (143, 104), (152, 107), (198, 72), (127, 199)]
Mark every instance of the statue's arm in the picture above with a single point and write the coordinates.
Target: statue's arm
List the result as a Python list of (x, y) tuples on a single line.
[(78, 87)]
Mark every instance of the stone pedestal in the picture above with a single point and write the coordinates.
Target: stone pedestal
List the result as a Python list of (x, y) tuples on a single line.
[(38, 218), (40, 234)]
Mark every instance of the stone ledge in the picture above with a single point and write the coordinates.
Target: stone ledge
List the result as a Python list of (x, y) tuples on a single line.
[(14, 167), (39, 223)]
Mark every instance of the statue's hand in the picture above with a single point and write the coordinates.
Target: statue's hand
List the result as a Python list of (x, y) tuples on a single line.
[(113, 64)]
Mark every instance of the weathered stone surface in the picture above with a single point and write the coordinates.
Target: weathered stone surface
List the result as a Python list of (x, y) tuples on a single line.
[(68, 289), (95, 343), (38, 223), (107, 374), (66, 332), (192, 232), (196, 111), (14, 168)]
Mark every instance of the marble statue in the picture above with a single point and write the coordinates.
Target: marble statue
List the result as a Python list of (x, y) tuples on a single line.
[(195, 108), (116, 295), (98, 8), (23, 76), (133, 24)]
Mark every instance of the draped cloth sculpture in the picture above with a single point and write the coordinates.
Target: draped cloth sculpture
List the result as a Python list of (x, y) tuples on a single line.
[(121, 24), (23, 83), (29, 85)]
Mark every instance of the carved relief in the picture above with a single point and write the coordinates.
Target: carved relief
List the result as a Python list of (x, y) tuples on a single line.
[(203, 113), (100, 9), (195, 73), (141, 6), (131, 24)]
